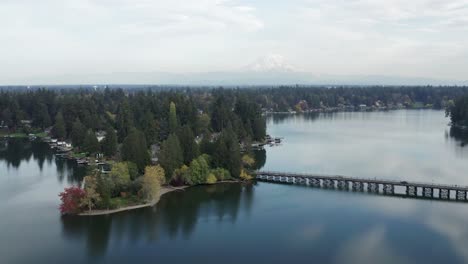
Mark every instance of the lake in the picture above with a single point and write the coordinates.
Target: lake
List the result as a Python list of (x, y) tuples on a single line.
[(260, 222)]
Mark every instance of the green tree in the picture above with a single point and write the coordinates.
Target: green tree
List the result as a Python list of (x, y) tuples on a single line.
[(124, 120), (150, 128), (221, 174), (59, 129), (227, 153), (199, 169), (78, 133), (152, 181), (134, 149), (203, 124), (172, 118), (109, 143), (171, 156), (120, 176), (187, 142), (90, 143), (41, 116), (104, 188)]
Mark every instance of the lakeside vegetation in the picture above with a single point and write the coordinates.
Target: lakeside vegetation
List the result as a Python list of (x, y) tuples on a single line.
[(179, 137), (173, 138)]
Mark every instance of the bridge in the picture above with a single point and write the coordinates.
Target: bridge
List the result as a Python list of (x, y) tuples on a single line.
[(377, 186)]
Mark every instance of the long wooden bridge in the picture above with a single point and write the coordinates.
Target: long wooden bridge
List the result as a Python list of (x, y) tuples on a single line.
[(377, 186)]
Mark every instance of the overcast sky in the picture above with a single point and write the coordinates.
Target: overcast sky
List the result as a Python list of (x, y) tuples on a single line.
[(420, 38)]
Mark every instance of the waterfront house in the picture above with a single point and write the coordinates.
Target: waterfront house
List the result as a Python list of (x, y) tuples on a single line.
[(100, 135)]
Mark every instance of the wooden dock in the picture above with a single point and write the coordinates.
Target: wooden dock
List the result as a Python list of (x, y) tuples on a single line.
[(377, 186)]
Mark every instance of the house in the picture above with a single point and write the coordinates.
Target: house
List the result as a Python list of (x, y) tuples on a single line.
[(155, 150), (100, 135), (26, 123), (3, 124)]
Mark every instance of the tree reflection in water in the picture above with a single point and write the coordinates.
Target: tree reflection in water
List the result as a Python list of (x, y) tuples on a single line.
[(15, 151), (176, 215), (459, 134)]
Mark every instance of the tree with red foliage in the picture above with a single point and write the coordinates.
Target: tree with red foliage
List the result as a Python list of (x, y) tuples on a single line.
[(71, 198)]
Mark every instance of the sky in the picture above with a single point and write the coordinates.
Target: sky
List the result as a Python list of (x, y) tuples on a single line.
[(60, 38)]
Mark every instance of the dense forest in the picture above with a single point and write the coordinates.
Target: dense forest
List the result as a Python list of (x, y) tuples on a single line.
[(195, 136)]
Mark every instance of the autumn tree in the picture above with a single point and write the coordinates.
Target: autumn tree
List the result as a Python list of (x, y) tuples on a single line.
[(152, 181), (71, 200), (172, 118), (91, 197)]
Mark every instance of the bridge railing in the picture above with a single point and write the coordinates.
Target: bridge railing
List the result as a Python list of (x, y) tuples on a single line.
[(347, 178)]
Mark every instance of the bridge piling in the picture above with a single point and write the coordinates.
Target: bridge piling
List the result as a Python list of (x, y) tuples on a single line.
[(373, 185)]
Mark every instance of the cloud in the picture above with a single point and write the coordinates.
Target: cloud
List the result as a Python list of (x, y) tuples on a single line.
[(419, 38)]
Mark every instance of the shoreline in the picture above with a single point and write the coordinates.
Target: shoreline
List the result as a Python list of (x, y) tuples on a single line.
[(163, 191)]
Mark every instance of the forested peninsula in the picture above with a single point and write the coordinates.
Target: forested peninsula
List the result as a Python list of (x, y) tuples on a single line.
[(180, 136)]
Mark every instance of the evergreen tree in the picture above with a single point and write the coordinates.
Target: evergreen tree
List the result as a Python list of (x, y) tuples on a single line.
[(90, 143), (124, 121), (171, 157), (78, 133), (150, 128), (134, 149), (59, 127), (227, 154), (109, 144), (41, 116), (172, 118), (187, 142)]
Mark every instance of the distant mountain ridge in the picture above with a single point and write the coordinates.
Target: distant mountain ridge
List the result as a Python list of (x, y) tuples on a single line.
[(245, 77)]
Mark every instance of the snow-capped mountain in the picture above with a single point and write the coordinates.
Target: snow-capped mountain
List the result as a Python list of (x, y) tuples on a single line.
[(270, 63)]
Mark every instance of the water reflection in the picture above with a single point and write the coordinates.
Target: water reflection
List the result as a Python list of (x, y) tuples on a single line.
[(459, 134), (175, 216), (15, 151)]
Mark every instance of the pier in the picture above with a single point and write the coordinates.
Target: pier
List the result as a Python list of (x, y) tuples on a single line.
[(376, 186)]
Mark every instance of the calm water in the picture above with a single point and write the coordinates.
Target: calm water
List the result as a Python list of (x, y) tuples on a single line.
[(265, 222)]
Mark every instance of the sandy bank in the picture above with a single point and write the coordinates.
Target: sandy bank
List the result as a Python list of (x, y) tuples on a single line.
[(163, 191)]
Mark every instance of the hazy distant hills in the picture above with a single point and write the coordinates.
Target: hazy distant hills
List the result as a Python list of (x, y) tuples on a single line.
[(272, 77), (268, 70)]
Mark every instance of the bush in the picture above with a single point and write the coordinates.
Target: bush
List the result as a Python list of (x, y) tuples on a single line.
[(221, 174), (245, 176), (181, 176), (211, 179)]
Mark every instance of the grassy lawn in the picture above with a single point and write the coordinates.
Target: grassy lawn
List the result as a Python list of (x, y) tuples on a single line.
[(18, 135), (79, 155), (119, 202), (41, 135)]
